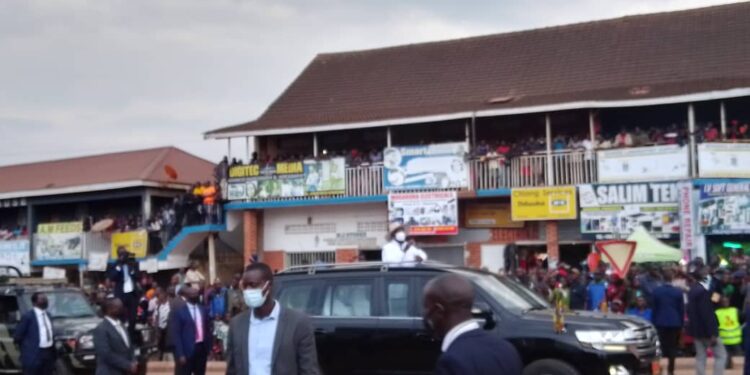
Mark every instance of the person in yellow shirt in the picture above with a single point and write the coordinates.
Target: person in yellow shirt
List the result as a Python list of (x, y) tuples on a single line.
[(730, 329)]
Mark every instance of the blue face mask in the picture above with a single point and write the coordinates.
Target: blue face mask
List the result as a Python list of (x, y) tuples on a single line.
[(255, 297)]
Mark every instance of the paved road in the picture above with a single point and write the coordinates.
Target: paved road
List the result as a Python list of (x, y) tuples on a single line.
[(685, 366)]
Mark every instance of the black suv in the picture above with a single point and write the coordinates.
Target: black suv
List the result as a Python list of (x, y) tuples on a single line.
[(73, 318), (367, 320)]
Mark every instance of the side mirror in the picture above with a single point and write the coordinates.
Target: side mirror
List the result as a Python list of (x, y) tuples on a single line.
[(483, 311)]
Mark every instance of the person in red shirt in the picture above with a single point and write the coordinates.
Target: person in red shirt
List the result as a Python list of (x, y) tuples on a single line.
[(616, 295), (711, 134)]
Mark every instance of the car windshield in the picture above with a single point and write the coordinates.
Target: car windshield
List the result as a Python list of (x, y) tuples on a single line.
[(68, 304), (508, 293)]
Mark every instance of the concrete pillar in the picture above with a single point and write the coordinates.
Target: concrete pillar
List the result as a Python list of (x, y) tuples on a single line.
[(347, 255), (691, 133), (211, 258), (275, 259), (473, 255), (247, 148), (592, 127), (723, 117), (548, 130), (388, 140), (146, 205), (250, 233), (315, 145), (229, 149), (553, 244)]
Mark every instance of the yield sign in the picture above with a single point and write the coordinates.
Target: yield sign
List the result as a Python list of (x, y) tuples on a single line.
[(619, 253)]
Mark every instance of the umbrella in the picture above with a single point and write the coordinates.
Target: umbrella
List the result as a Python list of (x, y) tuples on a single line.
[(102, 225)]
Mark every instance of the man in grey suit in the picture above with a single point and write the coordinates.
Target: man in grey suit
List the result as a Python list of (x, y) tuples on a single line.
[(114, 351), (269, 338)]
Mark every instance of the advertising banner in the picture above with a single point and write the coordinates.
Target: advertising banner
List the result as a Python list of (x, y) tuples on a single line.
[(425, 213), (616, 210), (545, 203), (279, 180), (724, 159), (16, 253), (135, 242), (55, 241), (489, 215), (638, 163), (724, 208), (687, 225), (438, 166), (325, 177)]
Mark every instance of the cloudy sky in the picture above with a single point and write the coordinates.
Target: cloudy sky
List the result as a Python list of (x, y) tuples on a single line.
[(82, 76)]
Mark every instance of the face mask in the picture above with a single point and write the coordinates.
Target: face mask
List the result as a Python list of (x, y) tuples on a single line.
[(255, 298), (400, 236), (44, 305), (428, 323)]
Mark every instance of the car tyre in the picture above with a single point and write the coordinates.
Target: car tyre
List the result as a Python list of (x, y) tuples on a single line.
[(61, 368), (550, 367)]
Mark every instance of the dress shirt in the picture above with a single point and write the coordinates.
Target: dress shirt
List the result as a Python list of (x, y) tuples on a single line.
[(127, 281), (120, 330), (457, 331), (260, 341), (161, 315), (195, 313), (46, 336), (393, 253)]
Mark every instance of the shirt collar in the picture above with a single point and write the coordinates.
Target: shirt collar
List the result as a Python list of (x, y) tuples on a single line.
[(114, 322), (39, 311), (273, 316), (457, 331)]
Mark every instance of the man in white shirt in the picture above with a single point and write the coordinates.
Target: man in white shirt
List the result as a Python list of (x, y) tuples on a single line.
[(399, 251), (34, 335)]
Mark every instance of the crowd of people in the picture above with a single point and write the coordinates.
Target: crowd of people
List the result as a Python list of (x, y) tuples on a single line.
[(701, 303), (14, 233)]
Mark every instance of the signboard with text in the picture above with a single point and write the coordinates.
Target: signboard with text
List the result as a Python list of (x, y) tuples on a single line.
[(724, 208), (436, 166), (325, 177), (16, 253), (543, 203), (489, 215), (643, 163), (55, 241), (135, 242), (425, 213), (724, 159), (616, 210), (277, 180)]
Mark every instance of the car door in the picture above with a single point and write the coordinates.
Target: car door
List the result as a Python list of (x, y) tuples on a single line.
[(10, 356), (400, 327)]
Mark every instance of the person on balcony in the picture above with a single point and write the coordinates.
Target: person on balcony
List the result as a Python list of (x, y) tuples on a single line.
[(623, 139), (640, 137), (711, 134)]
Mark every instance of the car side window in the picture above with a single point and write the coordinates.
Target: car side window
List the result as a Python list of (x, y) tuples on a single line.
[(397, 298), (348, 299), (301, 297), (9, 312)]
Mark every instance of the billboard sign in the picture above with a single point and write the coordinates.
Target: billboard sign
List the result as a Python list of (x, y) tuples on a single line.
[(489, 215), (425, 213), (135, 242), (437, 166), (55, 241), (325, 177), (724, 159), (616, 210), (724, 208), (16, 253), (544, 203), (278, 180), (637, 163)]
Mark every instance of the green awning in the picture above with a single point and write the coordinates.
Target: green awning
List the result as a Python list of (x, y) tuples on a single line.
[(650, 250)]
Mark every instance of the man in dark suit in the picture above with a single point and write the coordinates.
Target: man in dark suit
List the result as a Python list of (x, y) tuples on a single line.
[(702, 323), (114, 351), (34, 335), (124, 276), (467, 349), (269, 337), (191, 334), (667, 316)]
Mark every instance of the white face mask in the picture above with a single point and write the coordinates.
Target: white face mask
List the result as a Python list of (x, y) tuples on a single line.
[(255, 298), (400, 236)]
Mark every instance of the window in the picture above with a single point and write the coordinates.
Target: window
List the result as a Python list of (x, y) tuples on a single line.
[(299, 297), (353, 299), (397, 295), (9, 309)]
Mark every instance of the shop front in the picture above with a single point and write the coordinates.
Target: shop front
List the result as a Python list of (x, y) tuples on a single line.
[(723, 217)]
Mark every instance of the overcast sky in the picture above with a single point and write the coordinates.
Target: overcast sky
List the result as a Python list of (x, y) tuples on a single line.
[(81, 77)]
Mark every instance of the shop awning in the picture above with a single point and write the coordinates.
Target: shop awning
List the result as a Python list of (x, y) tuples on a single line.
[(650, 250)]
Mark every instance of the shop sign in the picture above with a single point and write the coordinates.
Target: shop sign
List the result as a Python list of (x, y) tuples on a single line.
[(643, 163), (135, 242), (616, 210), (16, 253), (425, 213), (545, 203), (724, 208), (437, 166), (55, 241), (489, 215), (724, 159), (687, 235), (278, 180), (325, 177)]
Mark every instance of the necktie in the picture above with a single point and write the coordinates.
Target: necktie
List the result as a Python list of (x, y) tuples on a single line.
[(47, 331), (198, 325)]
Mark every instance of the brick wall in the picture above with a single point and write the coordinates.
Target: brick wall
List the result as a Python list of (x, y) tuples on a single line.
[(275, 259), (553, 243), (530, 231), (347, 255), (473, 254), (251, 230)]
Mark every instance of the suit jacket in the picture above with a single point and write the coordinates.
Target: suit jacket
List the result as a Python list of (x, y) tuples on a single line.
[(27, 337), (183, 331), (174, 305), (113, 355), (117, 275), (668, 308), (479, 352), (702, 322), (294, 350)]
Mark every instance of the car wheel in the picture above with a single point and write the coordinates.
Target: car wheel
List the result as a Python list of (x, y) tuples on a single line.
[(549, 367), (61, 368)]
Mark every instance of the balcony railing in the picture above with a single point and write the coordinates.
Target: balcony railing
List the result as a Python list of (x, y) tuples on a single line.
[(573, 168)]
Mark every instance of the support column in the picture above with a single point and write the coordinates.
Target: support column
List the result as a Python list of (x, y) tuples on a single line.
[(467, 133), (548, 130), (723, 117), (229, 149), (146, 206), (211, 259), (247, 148), (315, 145), (250, 235), (592, 127), (691, 133), (553, 244), (388, 140), (473, 130)]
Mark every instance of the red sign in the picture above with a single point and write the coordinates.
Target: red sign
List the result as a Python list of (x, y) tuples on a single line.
[(619, 253)]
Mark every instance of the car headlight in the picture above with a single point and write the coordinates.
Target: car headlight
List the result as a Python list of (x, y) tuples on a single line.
[(86, 342), (611, 341)]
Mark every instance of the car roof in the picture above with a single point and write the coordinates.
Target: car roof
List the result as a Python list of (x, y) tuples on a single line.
[(15, 286), (375, 267)]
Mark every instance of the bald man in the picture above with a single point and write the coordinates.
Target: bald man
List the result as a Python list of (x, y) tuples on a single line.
[(467, 349), (115, 353)]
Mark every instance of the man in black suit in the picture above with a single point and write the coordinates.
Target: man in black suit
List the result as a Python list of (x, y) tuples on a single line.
[(124, 275), (467, 349), (114, 350), (702, 322), (34, 335), (191, 334)]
